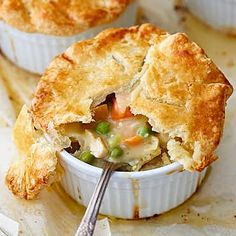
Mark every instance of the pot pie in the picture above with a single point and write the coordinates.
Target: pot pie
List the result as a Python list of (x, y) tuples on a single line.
[(32, 33), (129, 95)]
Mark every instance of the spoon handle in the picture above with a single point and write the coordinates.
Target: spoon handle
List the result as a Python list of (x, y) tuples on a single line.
[(88, 221)]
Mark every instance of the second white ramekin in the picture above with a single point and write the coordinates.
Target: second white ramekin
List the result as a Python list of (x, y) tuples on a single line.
[(130, 195), (219, 14), (34, 52)]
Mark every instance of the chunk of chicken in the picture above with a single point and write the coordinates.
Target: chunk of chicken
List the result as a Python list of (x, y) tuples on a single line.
[(95, 144), (87, 139), (178, 153), (122, 100)]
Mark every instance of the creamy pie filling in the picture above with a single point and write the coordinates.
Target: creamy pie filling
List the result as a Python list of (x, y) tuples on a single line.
[(118, 136)]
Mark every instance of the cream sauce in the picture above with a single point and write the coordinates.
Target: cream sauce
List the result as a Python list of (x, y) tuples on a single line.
[(100, 145)]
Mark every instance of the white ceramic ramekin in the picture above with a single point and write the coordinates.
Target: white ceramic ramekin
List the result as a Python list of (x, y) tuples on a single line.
[(34, 52), (220, 14), (130, 195)]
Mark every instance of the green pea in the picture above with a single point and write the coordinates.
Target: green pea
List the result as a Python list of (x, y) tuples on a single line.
[(116, 152), (144, 131), (114, 141), (103, 127), (87, 157)]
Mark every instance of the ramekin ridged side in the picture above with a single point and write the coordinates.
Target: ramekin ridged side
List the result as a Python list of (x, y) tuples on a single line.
[(130, 195), (34, 52), (219, 14)]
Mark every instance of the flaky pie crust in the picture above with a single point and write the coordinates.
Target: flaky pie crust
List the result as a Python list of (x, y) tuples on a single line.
[(60, 17)]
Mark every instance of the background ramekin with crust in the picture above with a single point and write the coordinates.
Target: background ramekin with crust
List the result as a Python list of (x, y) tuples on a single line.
[(219, 14), (32, 34)]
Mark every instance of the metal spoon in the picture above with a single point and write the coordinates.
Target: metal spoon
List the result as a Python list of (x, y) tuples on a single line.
[(89, 219), (88, 222)]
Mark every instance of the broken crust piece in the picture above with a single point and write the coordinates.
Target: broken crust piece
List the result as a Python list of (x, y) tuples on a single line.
[(37, 168), (167, 78)]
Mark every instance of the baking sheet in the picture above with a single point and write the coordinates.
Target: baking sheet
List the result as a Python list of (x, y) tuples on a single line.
[(211, 211)]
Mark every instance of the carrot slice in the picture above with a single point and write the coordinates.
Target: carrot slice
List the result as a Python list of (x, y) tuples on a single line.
[(133, 141), (101, 112), (117, 114)]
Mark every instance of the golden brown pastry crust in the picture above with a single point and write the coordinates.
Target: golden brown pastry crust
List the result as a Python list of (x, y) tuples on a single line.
[(60, 17), (38, 164), (26, 177), (167, 78), (170, 80)]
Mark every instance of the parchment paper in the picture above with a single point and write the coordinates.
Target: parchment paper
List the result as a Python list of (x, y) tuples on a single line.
[(211, 211)]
